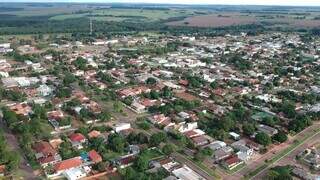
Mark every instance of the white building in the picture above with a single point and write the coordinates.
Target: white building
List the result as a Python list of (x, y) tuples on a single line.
[(74, 173), (186, 173), (121, 126)]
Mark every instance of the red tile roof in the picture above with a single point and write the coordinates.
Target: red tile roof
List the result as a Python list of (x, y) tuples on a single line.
[(232, 160), (68, 164), (77, 137), (94, 156), (2, 169)]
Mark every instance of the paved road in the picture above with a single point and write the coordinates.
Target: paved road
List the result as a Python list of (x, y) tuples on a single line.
[(289, 158), (12, 141), (178, 157), (253, 164)]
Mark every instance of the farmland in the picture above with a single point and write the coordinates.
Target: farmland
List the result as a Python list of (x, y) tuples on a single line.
[(31, 18), (214, 21), (224, 19), (115, 14)]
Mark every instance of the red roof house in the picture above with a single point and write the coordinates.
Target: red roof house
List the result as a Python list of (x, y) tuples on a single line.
[(94, 156), (67, 164)]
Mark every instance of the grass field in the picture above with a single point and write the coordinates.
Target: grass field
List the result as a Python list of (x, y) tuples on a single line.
[(114, 14)]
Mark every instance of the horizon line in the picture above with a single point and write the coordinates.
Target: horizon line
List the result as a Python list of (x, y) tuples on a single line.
[(185, 4)]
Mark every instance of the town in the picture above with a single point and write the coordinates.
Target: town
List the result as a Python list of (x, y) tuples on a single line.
[(160, 106), (174, 107)]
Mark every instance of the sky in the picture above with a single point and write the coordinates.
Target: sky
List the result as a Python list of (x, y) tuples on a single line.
[(226, 2)]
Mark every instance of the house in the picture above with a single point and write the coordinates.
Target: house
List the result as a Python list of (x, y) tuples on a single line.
[(200, 140), (74, 173), (94, 134), (311, 156), (267, 129), (124, 161), (2, 170), (121, 126), (94, 107), (215, 145), (183, 115), (234, 135), (139, 108), (21, 109), (231, 162), (194, 133), (55, 115), (94, 156), (134, 149), (65, 165), (184, 127), (156, 119), (222, 153), (243, 151), (45, 153), (77, 140)]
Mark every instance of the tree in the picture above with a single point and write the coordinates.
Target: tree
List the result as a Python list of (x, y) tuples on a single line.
[(279, 173), (248, 129), (158, 138), (151, 81), (280, 137), (288, 108), (68, 79), (116, 143), (63, 92), (300, 123), (168, 149), (214, 85), (166, 92), (263, 139), (142, 162), (13, 161), (80, 63), (117, 106)]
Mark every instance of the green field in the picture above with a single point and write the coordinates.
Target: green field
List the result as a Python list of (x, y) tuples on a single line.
[(114, 14)]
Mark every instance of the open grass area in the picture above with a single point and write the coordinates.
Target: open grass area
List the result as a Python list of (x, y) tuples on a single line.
[(154, 154), (114, 14)]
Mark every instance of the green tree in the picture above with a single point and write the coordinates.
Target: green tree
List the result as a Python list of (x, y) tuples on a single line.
[(280, 137), (248, 128), (116, 143), (263, 139), (168, 149), (158, 138), (151, 81)]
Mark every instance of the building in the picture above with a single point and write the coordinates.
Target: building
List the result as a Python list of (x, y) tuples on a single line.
[(77, 140), (45, 153), (186, 173), (68, 164), (44, 90), (74, 173), (267, 129), (200, 140), (215, 145), (234, 136), (94, 156), (231, 162), (2, 170), (121, 126), (222, 153)]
